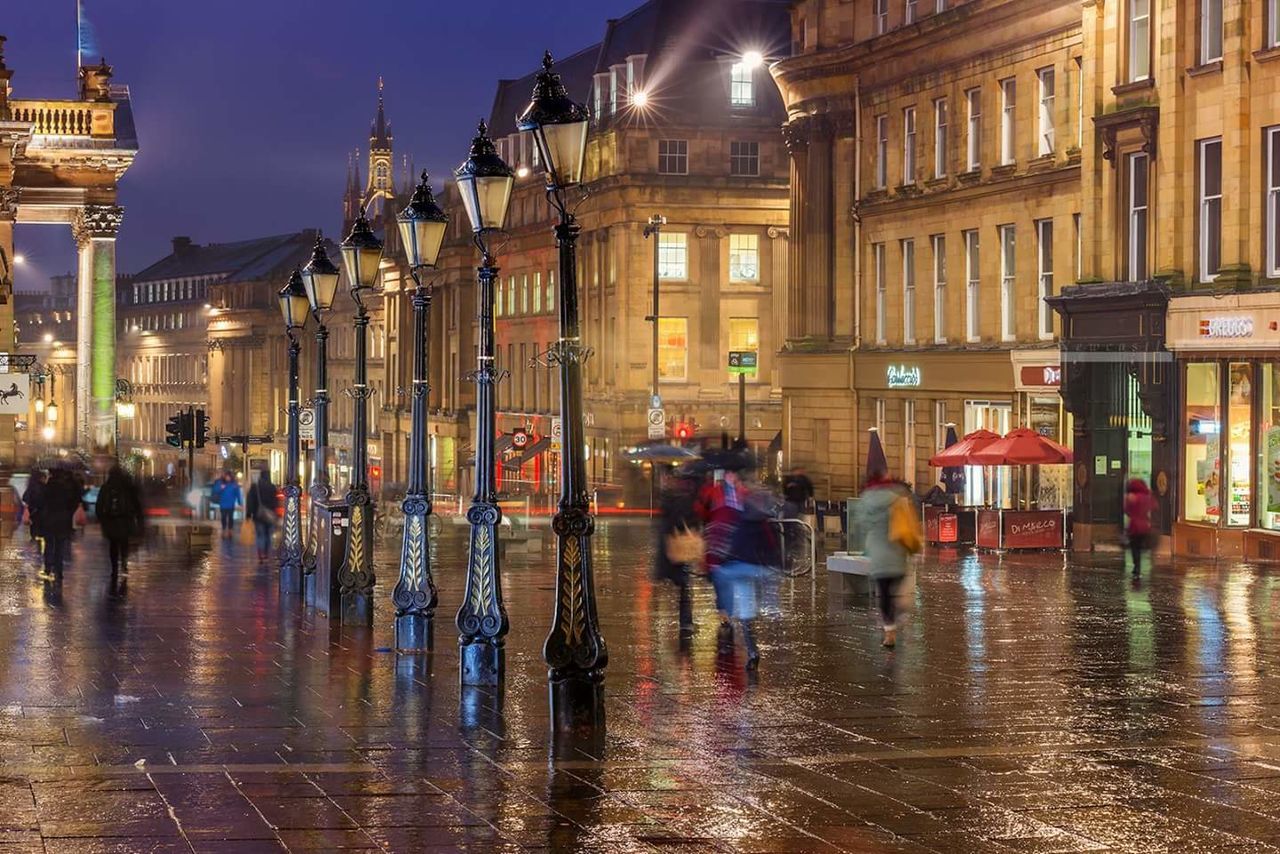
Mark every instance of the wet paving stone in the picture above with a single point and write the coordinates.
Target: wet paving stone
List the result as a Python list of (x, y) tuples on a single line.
[(1033, 705)]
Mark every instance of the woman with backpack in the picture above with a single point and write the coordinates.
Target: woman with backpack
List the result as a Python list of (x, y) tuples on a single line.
[(119, 512), (261, 507), (889, 517)]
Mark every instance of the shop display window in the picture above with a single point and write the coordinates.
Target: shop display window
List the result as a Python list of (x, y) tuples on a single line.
[(1239, 444), (1202, 487), (1269, 446)]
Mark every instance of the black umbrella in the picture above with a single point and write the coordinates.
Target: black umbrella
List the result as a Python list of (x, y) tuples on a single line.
[(952, 476), (877, 465)]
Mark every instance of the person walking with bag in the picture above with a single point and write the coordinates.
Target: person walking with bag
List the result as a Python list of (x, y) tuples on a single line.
[(261, 507), (229, 498), (1138, 504), (680, 543), (891, 520), (119, 512)]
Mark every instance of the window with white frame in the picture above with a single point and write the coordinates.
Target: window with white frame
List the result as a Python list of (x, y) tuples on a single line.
[(1045, 135), (1210, 31), (973, 145), (1008, 123), (909, 145), (940, 120), (939, 6), (909, 12), (524, 294), (1079, 102), (1136, 204), (877, 266), (614, 85), (939, 288), (742, 89), (673, 255), (1139, 21), (744, 159), (882, 152), (744, 258), (1008, 272), (880, 11), (939, 423), (1044, 275), (909, 439), (673, 157), (972, 287), (537, 293), (1272, 217), (1210, 193), (1273, 23), (1079, 247), (908, 291)]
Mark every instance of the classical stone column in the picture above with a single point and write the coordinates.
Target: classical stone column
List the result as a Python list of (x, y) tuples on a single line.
[(796, 135), (95, 228)]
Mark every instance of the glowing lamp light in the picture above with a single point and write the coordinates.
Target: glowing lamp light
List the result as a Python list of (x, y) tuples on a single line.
[(522, 172), (640, 98), (47, 432), (51, 413), (293, 302), (361, 255), (126, 409), (422, 226), (19, 259), (559, 127), (752, 60), (39, 405), (484, 183), (320, 278), (48, 338)]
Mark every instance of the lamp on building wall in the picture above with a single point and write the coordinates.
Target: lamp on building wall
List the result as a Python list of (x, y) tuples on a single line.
[(422, 230), (293, 307), (574, 650), (484, 182), (361, 258)]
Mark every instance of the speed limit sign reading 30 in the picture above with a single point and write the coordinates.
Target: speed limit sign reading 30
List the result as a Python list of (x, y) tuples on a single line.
[(657, 423)]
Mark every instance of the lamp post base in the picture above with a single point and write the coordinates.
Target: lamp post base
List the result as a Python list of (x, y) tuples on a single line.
[(357, 608), (577, 702), (481, 663), (414, 633), (290, 578)]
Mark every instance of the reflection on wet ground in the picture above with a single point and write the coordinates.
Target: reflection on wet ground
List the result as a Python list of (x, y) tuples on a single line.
[(1031, 705)]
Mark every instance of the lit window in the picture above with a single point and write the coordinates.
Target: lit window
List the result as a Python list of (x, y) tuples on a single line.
[(1210, 31), (511, 295), (744, 334), (524, 294), (909, 291), (673, 157), (972, 275), (1210, 186), (673, 349), (1008, 270), (744, 159), (939, 288), (742, 89), (1044, 274), (877, 261), (1273, 201), (1137, 216), (940, 119), (973, 146), (673, 255), (909, 145), (1008, 125), (744, 257), (551, 290), (1046, 133), (1139, 39), (537, 293), (882, 152)]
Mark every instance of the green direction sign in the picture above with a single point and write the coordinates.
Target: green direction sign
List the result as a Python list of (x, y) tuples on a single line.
[(743, 361)]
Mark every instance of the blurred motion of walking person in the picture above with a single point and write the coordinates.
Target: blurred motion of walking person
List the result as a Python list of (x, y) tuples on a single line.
[(752, 549), (58, 508), (889, 516), (261, 507), (680, 543), (226, 492), (1138, 504), (119, 512), (31, 500)]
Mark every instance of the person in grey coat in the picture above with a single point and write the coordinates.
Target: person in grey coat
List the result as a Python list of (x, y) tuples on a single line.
[(888, 559)]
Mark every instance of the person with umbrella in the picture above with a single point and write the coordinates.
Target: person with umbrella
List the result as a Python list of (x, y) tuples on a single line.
[(680, 544)]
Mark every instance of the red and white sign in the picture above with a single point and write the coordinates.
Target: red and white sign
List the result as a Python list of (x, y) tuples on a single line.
[(1041, 375), (988, 533), (1033, 529), (948, 528)]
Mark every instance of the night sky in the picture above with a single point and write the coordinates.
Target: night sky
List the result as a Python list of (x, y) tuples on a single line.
[(246, 109)]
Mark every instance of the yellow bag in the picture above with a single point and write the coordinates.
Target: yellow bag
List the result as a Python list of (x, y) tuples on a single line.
[(685, 547), (904, 526)]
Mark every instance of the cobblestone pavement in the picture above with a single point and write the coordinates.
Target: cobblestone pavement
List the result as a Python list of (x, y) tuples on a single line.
[(1031, 706)]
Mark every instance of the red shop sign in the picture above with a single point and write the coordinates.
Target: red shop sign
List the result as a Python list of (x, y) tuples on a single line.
[(1041, 375), (1033, 529), (948, 528)]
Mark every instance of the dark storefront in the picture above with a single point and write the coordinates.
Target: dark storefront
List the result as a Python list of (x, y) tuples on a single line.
[(1117, 382)]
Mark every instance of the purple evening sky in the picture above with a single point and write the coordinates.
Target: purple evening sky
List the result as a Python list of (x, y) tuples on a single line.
[(246, 109)]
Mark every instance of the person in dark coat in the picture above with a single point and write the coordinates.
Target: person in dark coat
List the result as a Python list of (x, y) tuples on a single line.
[(57, 509), (677, 513), (119, 512), (31, 499), (261, 506)]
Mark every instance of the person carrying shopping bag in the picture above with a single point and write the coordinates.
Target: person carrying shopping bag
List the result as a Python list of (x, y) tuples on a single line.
[(890, 518)]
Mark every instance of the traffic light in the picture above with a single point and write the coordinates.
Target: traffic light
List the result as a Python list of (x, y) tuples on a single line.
[(684, 431), (202, 428), (173, 430)]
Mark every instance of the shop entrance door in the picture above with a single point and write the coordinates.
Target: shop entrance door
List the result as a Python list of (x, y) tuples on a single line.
[(1110, 446)]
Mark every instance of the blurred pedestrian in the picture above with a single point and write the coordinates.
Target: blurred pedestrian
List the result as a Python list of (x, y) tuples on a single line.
[(58, 506), (797, 493), (1138, 504), (228, 496), (119, 512), (31, 499), (681, 546), (752, 548), (261, 507), (888, 515)]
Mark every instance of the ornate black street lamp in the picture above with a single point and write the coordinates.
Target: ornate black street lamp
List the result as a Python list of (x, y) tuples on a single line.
[(422, 230), (294, 307), (574, 651), (484, 182), (361, 256), (320, 281)]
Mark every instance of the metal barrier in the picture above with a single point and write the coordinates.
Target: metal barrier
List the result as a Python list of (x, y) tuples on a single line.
[(797, 562)]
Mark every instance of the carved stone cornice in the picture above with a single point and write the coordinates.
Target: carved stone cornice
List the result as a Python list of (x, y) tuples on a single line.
[(796, 133), (9, 203), (1145, 118), (96, 221)]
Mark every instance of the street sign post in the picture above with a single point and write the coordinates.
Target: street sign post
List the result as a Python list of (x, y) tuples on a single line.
[(743, 362), (557, 433), (657, 423), (307, 424)]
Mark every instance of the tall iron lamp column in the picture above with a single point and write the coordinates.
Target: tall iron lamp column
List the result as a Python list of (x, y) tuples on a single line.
[(320, 281), (574, 651), (294, 307), (361, 257), (422, 230), (484, 183)]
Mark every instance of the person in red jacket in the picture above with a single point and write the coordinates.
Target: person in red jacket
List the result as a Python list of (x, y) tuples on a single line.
[(1138, 504)]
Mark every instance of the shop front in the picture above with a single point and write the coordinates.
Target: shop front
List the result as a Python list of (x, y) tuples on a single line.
[(1228, 485), (1037, 378)]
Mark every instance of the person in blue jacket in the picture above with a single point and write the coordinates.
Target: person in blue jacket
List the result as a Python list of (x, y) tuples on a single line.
[(229, 497)]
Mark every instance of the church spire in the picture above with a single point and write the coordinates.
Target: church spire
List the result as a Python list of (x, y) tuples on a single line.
[(380, 132)]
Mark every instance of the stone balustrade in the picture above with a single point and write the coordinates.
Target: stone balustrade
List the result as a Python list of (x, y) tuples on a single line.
[(66, 118)]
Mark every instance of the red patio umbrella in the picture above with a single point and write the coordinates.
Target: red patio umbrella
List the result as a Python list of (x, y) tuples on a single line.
[(1022, 447), (961, 453)]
